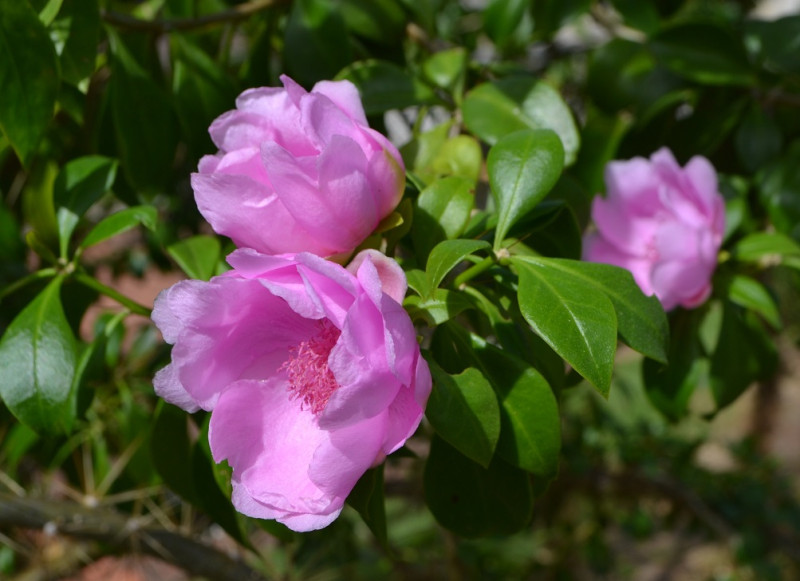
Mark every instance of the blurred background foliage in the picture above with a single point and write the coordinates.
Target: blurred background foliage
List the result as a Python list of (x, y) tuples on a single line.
[(105, 107)]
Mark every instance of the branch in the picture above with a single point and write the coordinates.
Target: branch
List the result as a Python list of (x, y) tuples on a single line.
[(238, 12), (115, 529)]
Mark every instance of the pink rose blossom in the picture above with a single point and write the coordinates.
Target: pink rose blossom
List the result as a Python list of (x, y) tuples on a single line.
[(312, 372), (298, 171), (662, 222)]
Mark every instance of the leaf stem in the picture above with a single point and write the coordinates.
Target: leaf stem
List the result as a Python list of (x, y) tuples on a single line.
[(95, 284), (26, 280), (475, 270)]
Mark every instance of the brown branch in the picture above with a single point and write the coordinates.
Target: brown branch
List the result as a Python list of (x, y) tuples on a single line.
[(238, 12), (117, 530)]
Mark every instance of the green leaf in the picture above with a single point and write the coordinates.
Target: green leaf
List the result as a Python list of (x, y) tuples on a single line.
[(446, 255), (530, 433), (384, 86), (81, 19), (493, 110), (418, 281), (670, 387), (578, 324), (146, 150), (704, 53), (80, 184), (316, 42), (463, 410), (758, 138), (641, 321), (442, 212), (120, 222), (173, 462), (38, 357), (471, 500), (48, 12), (197, 256), (28, 76), (778, 41), (530, 427), (778, 183), (522, 167), (438, 306), (744, 354), (502, 17), (751, 294), (446, 69), (768, 247), (381, 21), (368, 500)]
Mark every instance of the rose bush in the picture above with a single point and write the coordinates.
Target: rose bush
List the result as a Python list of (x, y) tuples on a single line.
[(312, 372), (662, 222), (298, 171)]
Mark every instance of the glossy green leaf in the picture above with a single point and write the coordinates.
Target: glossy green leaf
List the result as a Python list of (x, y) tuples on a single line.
[(530, 433), (749, 293), (522, 167), (758, 138), (502, 17), (474, 501), (38, 358), (368, 499), (446, 69), (777, 184), (446, 255), (463, 410), (438, 306), (641, 321), (384, 86), (81, 20), (670, 387), (28, 75), (173, 462), (494, 110), (744, 353), (778, 41), (766, 247), (80, 184), (381, 21), (418, 281), (704, 53), (530, 426), (442, 211), (316, 42), (580, 325), (49, 11), (197, 256), (146, 150), (120, 222)]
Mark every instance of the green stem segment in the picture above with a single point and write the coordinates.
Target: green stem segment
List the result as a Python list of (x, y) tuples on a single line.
[(130, 304), (26, 280), (475, 270)]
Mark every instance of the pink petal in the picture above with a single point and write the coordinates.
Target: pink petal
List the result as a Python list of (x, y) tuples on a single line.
[(345, 95), (272, 469), (598, 249), (250, 214), (392, 276)]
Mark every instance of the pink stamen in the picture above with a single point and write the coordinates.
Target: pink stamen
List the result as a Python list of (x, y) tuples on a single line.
[(310, 378)]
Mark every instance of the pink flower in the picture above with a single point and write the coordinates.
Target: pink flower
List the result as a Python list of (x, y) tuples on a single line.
[(662, 222), (313, 373), (298, 171)]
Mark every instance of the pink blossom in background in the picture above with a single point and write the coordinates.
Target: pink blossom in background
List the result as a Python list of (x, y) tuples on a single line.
[(312, 372), (662, 222), (298, 171)]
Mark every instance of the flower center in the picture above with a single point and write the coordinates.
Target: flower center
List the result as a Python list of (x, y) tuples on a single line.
[(310, 378)]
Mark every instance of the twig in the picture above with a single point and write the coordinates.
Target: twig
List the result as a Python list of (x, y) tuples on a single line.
[(113, 528), (239, 12)]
